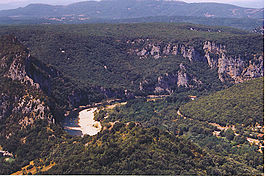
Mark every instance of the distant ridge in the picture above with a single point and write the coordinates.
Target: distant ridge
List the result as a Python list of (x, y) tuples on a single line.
[(118, 9)]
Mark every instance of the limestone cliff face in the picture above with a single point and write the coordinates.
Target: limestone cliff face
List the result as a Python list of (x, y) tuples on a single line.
[(236, 68), (33, 109), (17, 71), (229, 68), (145, 48), (255, 68), (22, 108), (21, 100), (19, 110), (191, 53), (168, 82)]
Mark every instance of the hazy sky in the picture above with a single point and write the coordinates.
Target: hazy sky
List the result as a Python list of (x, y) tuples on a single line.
[(7, 4)]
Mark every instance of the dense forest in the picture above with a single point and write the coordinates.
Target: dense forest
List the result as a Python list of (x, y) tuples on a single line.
[(82, 53), (232, 139), (241, 104), (49, 70)]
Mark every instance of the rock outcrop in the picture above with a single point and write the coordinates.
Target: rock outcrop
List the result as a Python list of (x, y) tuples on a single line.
[(22, 108), (229, 68), (20, 96), (145, 48), (22, 67), (169, 82), (17, 69), (236, 68)]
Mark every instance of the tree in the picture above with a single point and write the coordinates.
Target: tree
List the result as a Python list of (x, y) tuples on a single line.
[(229, 134)]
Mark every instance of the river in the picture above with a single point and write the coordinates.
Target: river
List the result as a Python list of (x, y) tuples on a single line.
[(83, 124)]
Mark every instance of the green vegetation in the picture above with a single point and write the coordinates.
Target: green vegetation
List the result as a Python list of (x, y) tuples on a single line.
[(135, 150), (242, 104), (147, 113), (239, 23), (231, 143), (150, 136), (94, 61), (122, 150), (248, 24), (29, 144)]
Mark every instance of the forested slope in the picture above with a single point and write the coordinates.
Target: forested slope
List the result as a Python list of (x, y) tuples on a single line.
[(24, 108), (100, 61), (242, 104), (135, 150), (236, 131), (49, 70)]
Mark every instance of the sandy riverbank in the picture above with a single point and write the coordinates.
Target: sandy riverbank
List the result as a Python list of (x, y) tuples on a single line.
[(87, 124)]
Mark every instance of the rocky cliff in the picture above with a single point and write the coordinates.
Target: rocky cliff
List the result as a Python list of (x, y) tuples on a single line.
[(18, 111), (237, 68), (157, 49), (21, 100), (229, 68), (19, 65), (167, 82)]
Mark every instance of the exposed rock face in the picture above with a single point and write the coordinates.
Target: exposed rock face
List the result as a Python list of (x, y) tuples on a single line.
[(255, 70), (17, 69), (191, 53), (215, 55), (21, 111), (22, 106), (33, 109), (167, 83), (145, 48), (182, 79), (234, 67)]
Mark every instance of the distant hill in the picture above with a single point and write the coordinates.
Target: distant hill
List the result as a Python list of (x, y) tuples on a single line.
[(249, 24), (135, 11), (118, 9)]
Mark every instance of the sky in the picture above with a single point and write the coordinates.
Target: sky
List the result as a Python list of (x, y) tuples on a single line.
[(10, 4)]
